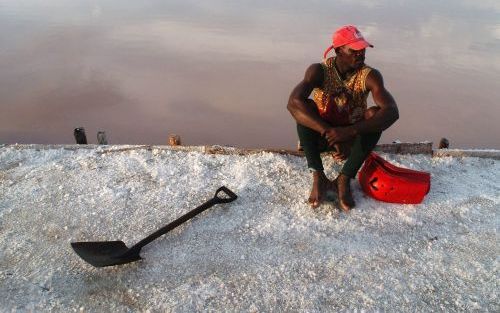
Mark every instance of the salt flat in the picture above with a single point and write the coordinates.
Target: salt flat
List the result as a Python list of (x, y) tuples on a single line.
[(267, 251)]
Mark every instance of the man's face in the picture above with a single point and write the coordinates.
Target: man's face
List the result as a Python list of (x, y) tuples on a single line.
[(354, 58)]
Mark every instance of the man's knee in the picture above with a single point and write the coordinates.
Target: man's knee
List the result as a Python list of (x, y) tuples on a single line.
[(307, 134), (370, 112)]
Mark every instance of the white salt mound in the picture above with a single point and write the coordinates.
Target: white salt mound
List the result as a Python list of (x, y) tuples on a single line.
[(267, 251)]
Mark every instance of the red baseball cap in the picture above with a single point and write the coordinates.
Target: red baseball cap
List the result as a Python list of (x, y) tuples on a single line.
[(348, 35)]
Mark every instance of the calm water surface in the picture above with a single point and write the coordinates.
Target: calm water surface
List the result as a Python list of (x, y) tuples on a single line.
[(220, 72)]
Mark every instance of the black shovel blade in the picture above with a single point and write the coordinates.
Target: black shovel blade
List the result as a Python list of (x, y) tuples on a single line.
[(105, 253)]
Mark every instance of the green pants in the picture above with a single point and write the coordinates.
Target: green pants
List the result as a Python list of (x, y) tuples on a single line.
[(313, 144)]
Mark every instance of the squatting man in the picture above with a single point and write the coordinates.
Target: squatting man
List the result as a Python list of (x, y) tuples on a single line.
[(337, 119)]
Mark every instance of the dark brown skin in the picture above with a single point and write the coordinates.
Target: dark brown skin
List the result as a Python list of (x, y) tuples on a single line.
[(378, 119)]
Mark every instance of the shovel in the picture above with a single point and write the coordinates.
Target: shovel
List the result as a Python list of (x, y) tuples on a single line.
[(108, 253)]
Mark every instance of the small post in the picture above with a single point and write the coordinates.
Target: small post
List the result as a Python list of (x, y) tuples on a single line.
[(174, 140), (444, 143), (80, 137), (101, 138), (299, 146)]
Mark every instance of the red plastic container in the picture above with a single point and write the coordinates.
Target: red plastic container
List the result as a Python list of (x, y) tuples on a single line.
[(389, 183)]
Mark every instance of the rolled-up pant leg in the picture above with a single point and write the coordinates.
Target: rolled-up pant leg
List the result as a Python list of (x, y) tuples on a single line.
[(362, 146), (313, 145)]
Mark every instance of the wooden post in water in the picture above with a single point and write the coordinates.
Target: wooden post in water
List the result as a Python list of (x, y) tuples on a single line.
[(174, 140), (101, 138), (80, 137), (444, 143), (299, 146)]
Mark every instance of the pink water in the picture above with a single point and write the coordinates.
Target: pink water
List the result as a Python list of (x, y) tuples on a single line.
[(221, 72)]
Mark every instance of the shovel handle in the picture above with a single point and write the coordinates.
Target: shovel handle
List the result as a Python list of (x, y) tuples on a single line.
[(165, 229), (232, 195)]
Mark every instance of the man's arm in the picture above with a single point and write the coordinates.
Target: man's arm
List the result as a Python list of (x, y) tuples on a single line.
[(388, 112), (298, 105), (381, 120)]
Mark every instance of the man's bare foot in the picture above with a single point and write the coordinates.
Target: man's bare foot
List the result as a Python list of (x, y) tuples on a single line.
[(318, 192), (343, 185)]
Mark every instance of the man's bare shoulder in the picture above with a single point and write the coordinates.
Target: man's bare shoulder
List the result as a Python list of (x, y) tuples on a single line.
[(314, 74), (315, 68), (374, 79)]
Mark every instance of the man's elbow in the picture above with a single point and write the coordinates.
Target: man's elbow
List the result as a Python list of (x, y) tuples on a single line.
[(395, 115), (292, 105)]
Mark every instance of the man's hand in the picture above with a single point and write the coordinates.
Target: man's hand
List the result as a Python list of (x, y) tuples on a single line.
[(342, 150), (338, 134)]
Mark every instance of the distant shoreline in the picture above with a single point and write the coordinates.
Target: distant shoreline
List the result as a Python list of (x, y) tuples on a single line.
[(397, 148)]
